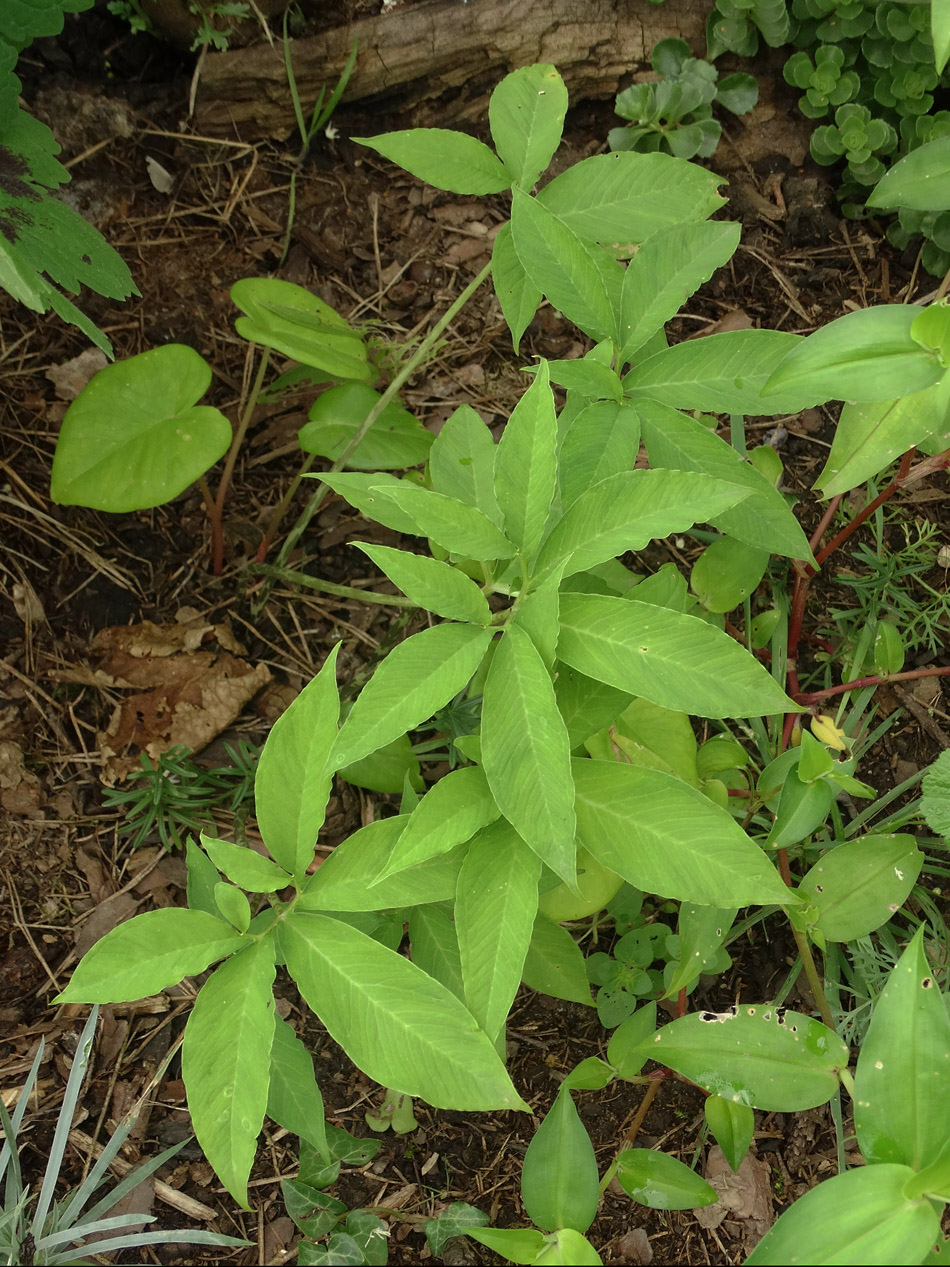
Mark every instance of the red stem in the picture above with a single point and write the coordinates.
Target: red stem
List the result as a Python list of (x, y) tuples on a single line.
[(876, 679)]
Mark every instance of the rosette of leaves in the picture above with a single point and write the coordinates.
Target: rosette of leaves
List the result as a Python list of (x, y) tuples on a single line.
[(827, 81), (858, 138), (828, 22), (907, 89), (675, 114), (734, 26)]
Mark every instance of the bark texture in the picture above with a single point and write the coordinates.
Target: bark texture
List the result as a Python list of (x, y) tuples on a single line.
[(442, 58)]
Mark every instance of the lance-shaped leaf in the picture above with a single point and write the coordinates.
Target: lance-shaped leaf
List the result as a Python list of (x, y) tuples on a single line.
[(861, 1216), (526, 752), (678, 661), (437, 587), (669, 266), (443, 158), (396, 1024), (435, 947), (294, 321), (722, 372), (349, 880), (579, 278), (764, 518), (901, 1110), (293, 777), (559, 1181), (245, 867), (367, 494), (453, 525), (859, 885), (603, 440), (147, 954), (661, 1182), (526, 465), (869, 437), (921, 179), (863, 356), (526, 116), (225, 1062), (293, 1096), (495, 907), (415, 680), (135, 436), (665, 837), (764, 1056), (451, 812), (554, 964), (462, 461), (621, 199), (586, 705), (516, 292), (395, 439), (629, 509)]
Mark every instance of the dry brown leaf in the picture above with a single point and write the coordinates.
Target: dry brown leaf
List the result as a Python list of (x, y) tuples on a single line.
[(69, 379), (20, 790), (745, 1196)]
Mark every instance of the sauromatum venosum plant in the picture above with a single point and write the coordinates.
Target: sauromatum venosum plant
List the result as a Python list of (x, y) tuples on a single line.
[(532, 612)]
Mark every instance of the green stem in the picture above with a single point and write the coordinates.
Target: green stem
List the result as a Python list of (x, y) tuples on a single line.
[(390, 394), (216, 511), (281, 509), (291, 577), (847, 1081), (814, 980)]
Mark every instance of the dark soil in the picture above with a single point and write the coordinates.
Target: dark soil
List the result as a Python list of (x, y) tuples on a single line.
[(380, 248)]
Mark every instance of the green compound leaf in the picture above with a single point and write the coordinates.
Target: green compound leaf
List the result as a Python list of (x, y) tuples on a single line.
[(665, 837), (399, 1026), (293, 779), (526, 465), (526, 115), (443, 158), (147, 954), (293, 1096), (226, 1062), (437, 587), (495, 907), (559, 1182), (858, 886), (661, 1182), (677, 661), (134, 436), (526, 752), (415, 680), (861, 1216), (763, 1056), (901, 1109), (578, 277), (293, 321), (620, 199)]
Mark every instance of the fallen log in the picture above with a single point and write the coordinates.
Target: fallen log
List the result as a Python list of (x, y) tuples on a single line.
[(442, 58)]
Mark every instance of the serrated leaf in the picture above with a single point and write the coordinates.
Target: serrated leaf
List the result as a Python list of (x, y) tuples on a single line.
[(415, 680), (670, 265), (526, 116), (495, 908), (763, 1056), (443, 158), (675, 440), (579, 278), (627, 510), (135, 437), (559, 1181), (900, 1112), (294, 775), (437, 587), (620, 199), (453, 525), (349, 880), (675, 660), (399, 1026), (451, 812), (526, 752), (526, 465), (147, 954), (293, 1096), (462, 462), (233, 905), (601, 441), (665, 837), (722, 373), (226, 1062)]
